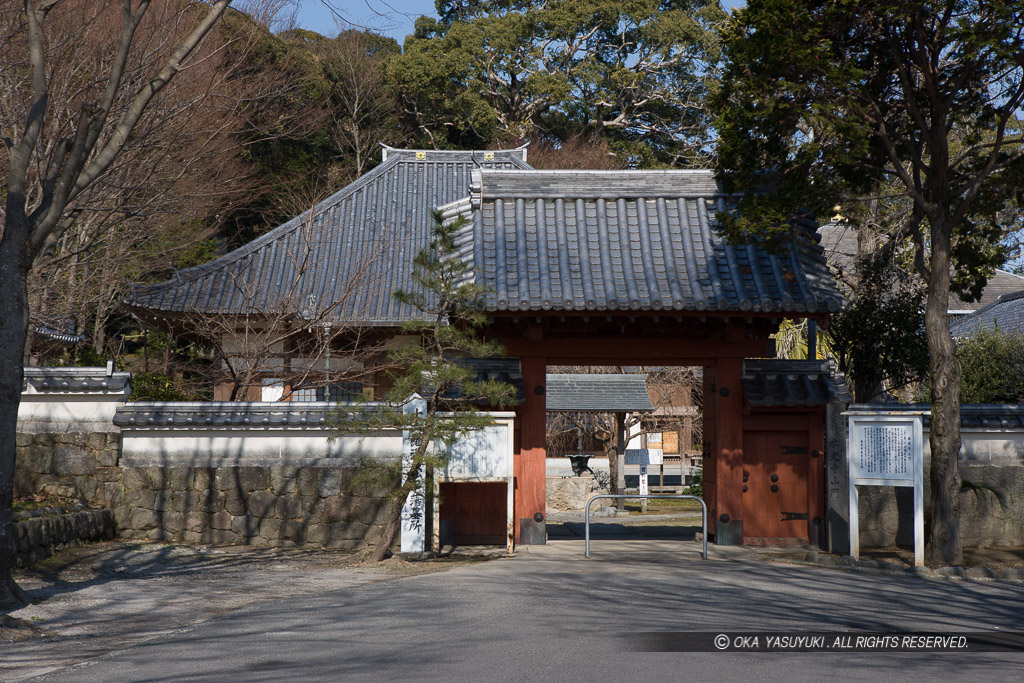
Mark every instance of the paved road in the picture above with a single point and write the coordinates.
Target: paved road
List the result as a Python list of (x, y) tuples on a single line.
[(548, 614)]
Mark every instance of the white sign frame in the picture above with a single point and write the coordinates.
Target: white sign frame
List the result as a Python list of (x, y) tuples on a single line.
[(911, 476), (644, 456)]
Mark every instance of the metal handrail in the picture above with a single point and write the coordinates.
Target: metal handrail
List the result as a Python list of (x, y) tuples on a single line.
[(615, 496)]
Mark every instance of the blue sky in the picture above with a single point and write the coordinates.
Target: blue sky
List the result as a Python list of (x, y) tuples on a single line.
[(393, 18)]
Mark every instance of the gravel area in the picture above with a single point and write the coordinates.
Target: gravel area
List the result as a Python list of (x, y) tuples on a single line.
[(102, 597)]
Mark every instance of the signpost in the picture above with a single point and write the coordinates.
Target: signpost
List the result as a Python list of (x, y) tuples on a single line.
[(643, 457), (886, 449)]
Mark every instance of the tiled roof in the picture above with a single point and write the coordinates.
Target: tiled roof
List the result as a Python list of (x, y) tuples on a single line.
[(776, 382), (627, 240), (75, 380), (228, 414), (1006, 313), (1001, 284), (598, 393), (972, 415), (356, 247)]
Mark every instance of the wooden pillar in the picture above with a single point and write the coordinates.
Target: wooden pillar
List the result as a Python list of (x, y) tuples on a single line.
[(816, 481), (530, 466), (729, 452)]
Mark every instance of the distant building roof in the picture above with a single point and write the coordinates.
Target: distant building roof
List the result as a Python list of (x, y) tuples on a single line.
[(1006, 313), (604, 393), (356, 247), (972, 415), (628, 240), (1001, 284), (839, 241), (777, 382)]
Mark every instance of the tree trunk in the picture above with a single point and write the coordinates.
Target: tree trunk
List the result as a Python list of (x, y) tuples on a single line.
[(13, 328), (392, 528), (943, 543)]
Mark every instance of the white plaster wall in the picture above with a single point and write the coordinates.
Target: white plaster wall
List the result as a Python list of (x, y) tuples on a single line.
[(251, 445), (68, 410)]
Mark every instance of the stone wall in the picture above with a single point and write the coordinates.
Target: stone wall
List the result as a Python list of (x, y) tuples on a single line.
[(991, 511), (81, 465), (37, 538), (272, 506)]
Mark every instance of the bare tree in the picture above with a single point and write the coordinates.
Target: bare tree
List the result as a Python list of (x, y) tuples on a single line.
[(291, 336), (52, 162)]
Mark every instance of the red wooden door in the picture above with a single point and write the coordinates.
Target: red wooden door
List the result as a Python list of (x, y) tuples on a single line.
[(776, 473), (478, 511)]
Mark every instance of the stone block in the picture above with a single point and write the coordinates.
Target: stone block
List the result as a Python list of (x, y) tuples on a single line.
[(282, 480), (75, 439), (288, 507), (293, 530), (193, 537), (330, 482), (220, 520), (141, 498), (140, 518), (106, 474), (196, 521), (180, 478), (109, 493), (316, 511), (97, 441), (270, 528), (245, 526), (261, 503), (317, 534), (234, 502), (36, 458), (69, 460), (253, 478), (107, 457), (307, 480), (221, 536), (121, 518), (23, 439), (339, 509), (24, 483), (226, 478), (134, 478), (570, 493), (371, 511), (211, 501), (203, 478), (156, 478)]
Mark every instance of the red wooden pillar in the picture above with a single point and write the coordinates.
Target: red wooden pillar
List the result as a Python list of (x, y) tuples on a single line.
[(530, 468), (728, 445)]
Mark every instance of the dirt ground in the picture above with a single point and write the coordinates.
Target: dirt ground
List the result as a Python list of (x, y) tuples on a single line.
[(102, 597)]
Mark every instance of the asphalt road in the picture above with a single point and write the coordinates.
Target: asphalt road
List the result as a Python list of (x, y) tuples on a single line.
[(549, 614)]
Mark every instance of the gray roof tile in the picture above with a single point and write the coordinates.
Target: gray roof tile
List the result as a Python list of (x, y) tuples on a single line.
[(777, 382), (598, 393), (75, 380), (346, 256), (628, 240), (1006, 313)]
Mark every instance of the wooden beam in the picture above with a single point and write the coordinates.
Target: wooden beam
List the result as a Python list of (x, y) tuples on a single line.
[(633, 350)]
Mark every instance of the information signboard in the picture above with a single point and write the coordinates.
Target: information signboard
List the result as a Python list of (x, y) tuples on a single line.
[(886, 449)]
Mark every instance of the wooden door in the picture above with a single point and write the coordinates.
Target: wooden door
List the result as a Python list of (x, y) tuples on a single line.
[(776, 474), (478, 511)]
